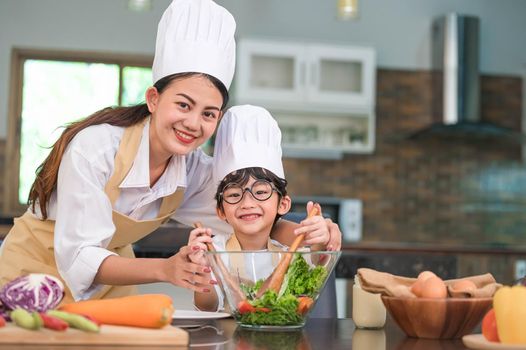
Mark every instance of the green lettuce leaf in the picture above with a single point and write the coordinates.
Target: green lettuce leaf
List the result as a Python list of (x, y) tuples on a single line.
[(304, 281)]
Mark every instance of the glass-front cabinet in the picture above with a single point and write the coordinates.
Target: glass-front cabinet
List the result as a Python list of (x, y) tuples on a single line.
[(323, 96), (340, 76), (269, 71)]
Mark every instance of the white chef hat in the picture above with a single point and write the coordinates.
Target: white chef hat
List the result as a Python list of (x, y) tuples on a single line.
[(195, 36), (247, 137)]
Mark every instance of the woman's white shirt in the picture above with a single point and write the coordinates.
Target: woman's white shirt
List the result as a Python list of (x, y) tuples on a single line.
[(83, 213)]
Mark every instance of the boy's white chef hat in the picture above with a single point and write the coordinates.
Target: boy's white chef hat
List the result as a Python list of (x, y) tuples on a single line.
[(195, 36), (247, 136)]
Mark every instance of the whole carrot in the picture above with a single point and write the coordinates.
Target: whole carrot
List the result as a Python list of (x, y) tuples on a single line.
[(146, 310)]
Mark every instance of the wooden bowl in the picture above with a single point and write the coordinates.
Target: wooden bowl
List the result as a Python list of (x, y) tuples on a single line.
[(447, 318)]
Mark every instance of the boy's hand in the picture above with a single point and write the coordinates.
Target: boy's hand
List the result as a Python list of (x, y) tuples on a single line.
[(316, 228), (197, 244)]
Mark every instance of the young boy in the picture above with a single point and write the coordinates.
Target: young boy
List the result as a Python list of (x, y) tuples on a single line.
[(251, 194)]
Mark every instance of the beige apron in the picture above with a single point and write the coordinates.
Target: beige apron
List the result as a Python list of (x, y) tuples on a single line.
[(28, 248), (237, 263)]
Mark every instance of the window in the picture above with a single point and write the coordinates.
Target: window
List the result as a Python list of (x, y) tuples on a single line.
[(51, 89)]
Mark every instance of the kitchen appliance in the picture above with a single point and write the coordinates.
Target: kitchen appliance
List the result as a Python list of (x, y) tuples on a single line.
[(346, 212), (456, 83)]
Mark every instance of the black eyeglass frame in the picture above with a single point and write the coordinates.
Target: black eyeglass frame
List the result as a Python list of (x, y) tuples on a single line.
[(247, 189)]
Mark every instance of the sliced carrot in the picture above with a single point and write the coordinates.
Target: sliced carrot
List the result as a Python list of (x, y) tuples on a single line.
[(304, 304), (146, 310)]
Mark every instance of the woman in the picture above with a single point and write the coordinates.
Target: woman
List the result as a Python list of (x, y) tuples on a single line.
[(116, 176)]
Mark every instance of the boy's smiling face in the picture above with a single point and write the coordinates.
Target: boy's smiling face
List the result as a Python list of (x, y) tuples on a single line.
[(252, 219)]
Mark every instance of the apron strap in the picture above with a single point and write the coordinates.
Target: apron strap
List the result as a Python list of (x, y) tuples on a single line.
[(233, 245), (131, 139), (169, 203), (128, 148), (237, 260)]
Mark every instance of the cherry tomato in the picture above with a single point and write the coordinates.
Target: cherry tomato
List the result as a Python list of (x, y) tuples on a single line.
[(245, 307)]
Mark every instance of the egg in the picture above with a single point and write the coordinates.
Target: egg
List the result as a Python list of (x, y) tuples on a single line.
[(464, 286), (416, 288), (433, 287), (422, 276)]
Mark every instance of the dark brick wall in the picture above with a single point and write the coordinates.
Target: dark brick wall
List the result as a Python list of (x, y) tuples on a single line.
[(458, 190)]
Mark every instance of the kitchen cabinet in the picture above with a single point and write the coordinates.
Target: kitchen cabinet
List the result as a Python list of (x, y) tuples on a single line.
[(322, 95)]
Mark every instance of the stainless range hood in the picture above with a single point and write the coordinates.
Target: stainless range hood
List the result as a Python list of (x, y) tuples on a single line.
[(456, 83)]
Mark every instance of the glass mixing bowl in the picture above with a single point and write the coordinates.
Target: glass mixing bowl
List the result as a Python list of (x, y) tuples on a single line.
[(244, 276)]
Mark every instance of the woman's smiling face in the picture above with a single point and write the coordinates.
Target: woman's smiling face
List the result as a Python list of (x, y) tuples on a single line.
[(184, 115)]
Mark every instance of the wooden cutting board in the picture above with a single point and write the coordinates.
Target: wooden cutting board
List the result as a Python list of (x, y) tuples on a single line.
[(109, 335)]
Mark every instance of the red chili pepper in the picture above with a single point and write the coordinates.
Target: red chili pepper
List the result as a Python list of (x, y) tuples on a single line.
[(91, 319), (2, 321), (54, 323)]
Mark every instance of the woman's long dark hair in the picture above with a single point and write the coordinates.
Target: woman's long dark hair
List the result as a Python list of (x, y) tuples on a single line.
[(47, 173)]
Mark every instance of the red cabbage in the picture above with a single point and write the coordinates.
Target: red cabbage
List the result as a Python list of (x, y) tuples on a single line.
[(33, 292), (4, 313)]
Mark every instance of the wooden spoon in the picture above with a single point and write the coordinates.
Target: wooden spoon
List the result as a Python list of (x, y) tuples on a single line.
[(275, 280), (229, 280)]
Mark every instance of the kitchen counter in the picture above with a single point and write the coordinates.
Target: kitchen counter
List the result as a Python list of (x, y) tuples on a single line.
[(433, 248), (319, 333)]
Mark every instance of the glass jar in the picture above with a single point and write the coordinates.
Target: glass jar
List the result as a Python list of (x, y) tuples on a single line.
[(370, 339), (368, 310)]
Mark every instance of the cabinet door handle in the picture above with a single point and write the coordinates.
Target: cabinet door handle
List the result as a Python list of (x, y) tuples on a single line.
[(314, 77), (303, 73)]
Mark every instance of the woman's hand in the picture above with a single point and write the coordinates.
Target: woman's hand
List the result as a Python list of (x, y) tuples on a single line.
[(335, 242), (197, 244), (181, 271), (316, 228)]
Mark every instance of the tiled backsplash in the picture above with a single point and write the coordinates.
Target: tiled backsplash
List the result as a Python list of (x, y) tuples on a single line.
[(426, 190)]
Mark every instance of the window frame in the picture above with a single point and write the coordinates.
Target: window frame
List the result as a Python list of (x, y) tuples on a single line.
[(11, 205)]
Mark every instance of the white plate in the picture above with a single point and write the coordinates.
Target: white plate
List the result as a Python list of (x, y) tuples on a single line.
[(477, 341), (197, 315)]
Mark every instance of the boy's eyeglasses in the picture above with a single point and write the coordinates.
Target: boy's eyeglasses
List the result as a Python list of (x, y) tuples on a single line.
[(260, 190)]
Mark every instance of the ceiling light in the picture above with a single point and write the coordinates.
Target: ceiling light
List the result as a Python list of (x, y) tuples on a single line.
[(139, 5), (348, 9)]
